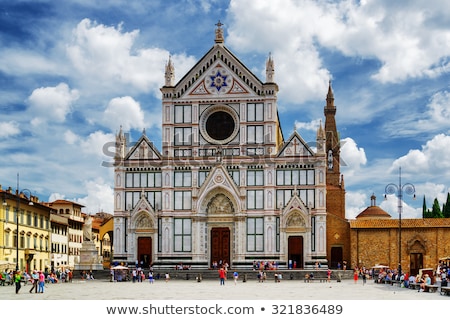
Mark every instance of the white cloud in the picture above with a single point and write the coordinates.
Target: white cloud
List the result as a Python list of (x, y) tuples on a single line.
[(352, 157), (95, 142), (70, 137), (105, 58), (431, 160), (298, 67), (438, 113), (16, 62), (9, 128), (390, 205), (407, 40), (125, 112), (355, 203), (52, 103), (100, 197)]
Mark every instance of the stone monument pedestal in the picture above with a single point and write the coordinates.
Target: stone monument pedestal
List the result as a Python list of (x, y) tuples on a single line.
[(89, 258)]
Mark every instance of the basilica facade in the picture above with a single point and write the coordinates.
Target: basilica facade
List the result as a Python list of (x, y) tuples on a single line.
[(227, 185)]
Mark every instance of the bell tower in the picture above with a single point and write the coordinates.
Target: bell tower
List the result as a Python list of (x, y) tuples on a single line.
[(335, 182)]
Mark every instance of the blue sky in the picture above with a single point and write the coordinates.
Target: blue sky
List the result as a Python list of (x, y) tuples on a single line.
[(73, 72)]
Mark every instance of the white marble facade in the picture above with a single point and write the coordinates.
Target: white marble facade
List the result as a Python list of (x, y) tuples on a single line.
[(225, 183)]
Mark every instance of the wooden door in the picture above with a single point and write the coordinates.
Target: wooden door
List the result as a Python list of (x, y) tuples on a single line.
[(336, 257), (220, 245), (416, 263), (145, 251), (295, 252)]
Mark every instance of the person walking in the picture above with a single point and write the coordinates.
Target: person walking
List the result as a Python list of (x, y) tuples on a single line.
[(41, 282), (222, 276), (150, 277), (17, 279), (355, 275), (235, 276), (34, 281)]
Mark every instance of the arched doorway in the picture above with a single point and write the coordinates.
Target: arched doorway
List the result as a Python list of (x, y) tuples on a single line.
[(220, 245), (295, 251), (220, 211), (144, 251)]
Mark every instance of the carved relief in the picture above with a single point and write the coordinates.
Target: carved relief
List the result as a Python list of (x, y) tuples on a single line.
[(143, 222), (220, 204), (295, 220)]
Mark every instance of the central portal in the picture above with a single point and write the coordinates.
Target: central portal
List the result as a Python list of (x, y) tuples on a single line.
[(145, 251), (220, 245)]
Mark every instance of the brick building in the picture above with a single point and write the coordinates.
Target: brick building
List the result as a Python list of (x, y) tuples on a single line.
[(374, 239)]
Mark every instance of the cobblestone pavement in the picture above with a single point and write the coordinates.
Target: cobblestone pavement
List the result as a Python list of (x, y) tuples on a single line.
[(211, 290)]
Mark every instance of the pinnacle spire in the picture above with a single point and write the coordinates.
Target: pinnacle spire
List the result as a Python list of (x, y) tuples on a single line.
[(330, 95), (170, 73), (270, 69)]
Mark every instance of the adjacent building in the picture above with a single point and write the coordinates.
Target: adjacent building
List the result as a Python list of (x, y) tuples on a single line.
[(25, 230), (72, 212), (375, 240)]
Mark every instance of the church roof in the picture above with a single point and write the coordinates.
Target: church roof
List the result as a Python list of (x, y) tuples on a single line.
[(373, 212), (393, 223)]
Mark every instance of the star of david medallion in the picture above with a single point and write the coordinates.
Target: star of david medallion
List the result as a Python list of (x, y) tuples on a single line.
[(218, 81)]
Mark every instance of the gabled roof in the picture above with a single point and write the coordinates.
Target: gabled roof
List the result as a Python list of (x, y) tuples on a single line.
[(219, 177), (218, 72), (143, 149), (295, 146)]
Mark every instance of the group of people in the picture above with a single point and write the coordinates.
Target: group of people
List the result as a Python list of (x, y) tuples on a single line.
[(265, 265), (220, 264), (37, 279)]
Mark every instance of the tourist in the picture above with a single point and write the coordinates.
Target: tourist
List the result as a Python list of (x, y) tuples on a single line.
[(41, 282), (150, 277), (17, 278), (34, 281), (222, 276), (235, 276)]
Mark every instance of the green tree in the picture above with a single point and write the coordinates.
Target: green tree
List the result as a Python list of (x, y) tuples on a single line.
[(424, 208), (436, 210), (446, 207)]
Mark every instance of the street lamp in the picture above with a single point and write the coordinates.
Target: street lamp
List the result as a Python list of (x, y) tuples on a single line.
[(17, 217), (409, 189)]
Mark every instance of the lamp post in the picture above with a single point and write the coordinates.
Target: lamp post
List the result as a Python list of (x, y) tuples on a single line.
[(17, 218), (406, 188)]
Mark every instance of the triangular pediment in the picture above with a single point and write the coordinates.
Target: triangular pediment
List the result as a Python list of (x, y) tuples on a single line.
[(295, 203), (219, 177), (143, 150), (295, 213), (218, 73), (295, 146), (142, 205)]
